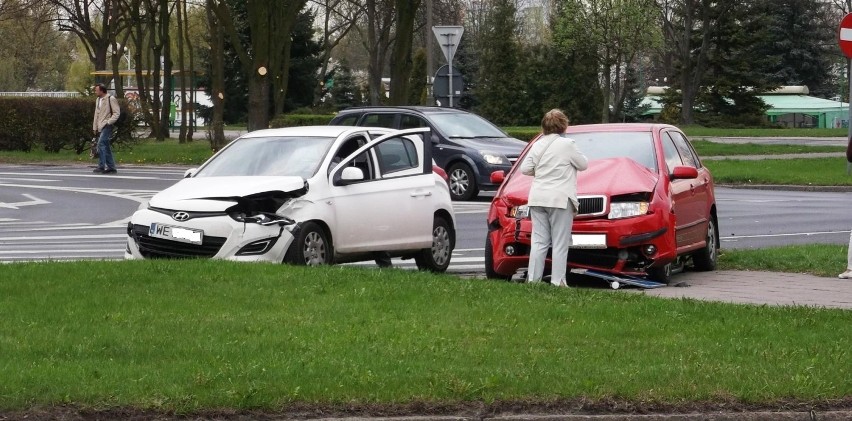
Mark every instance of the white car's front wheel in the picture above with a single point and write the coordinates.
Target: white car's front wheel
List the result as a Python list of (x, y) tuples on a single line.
[(437, 258), (311, 247)]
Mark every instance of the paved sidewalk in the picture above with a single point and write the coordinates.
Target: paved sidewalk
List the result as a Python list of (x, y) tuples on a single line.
[(772, 288)]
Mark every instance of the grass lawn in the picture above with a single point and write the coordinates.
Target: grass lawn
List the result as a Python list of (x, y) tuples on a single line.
[(806, 172), (817, 259), (527, 132), (188, 335), (708, 148), (146, 152)]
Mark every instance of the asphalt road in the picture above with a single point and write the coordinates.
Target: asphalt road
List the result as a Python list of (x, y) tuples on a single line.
[(67, 212)]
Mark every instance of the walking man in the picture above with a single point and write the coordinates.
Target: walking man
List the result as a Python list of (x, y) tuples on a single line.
[(107, 112)]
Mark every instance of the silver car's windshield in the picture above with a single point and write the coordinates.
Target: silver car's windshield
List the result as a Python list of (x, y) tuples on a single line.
[(638, 146), (269, 156), (465, 125)]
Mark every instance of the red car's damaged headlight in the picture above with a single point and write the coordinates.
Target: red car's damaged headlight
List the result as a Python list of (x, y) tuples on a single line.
[(519, 212), (630, 205)]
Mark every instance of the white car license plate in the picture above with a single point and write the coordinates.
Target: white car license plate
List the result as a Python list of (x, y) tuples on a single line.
[(588, 241), (169, 232)]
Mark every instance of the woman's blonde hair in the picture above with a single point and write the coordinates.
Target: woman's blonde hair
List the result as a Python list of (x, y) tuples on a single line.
[(554, 122)]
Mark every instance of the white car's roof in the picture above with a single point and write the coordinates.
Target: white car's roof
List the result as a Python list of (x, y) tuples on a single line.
[(310, 131)]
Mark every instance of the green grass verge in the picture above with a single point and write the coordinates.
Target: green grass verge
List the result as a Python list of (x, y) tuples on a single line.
[(708, 148), (698, 131), (816, 259), (147, 151), (805, 172), (527, 132), (194, 335)]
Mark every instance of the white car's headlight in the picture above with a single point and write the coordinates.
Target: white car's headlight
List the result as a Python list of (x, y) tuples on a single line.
[(494, 158), (619, 210), (520, 212)]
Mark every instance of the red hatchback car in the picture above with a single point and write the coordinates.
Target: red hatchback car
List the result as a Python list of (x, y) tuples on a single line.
[(647, 206)]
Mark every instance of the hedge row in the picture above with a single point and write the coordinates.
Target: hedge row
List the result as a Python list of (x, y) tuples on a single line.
[(27, 123)]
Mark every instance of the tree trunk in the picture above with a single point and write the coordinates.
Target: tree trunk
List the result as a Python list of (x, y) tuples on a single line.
[(400, 64), (217, 79), (192, 100), (168, 89), (182, 69)]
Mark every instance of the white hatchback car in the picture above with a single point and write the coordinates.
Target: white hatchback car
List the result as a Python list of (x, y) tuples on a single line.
[(308, 196)]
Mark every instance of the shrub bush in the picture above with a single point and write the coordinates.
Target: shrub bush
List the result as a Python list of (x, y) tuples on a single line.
[(55, 124), (291, 120), (523, 133)]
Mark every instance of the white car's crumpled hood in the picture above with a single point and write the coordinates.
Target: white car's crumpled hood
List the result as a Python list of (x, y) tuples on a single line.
[(210, 194)]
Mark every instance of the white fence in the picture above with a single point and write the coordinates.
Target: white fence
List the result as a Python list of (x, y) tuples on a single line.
[(43, 94)]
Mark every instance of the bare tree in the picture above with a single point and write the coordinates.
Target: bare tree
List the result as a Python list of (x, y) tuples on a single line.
[(270, 51), (338, 19), (618, 30), (682, 21), (380, 17), (95, 22)]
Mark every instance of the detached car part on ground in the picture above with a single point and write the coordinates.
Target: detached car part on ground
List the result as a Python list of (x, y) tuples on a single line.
[(308, 196), (647, 206)]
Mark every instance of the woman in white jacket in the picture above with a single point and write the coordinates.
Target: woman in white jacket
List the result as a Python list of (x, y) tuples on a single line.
[(553, 162)]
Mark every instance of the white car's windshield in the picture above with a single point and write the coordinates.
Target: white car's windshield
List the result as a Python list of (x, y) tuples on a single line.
[(460, 125), (638, 146), (269, 156)]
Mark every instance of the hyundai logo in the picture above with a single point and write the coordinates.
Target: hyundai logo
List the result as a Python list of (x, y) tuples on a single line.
[(180, 216)]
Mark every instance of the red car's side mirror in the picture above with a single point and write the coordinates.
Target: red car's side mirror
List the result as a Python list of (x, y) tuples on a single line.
[(684, 173), (497, 177)]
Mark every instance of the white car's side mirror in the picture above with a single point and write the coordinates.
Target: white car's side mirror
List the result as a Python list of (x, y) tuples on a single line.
[(351, 174), (190, 172)]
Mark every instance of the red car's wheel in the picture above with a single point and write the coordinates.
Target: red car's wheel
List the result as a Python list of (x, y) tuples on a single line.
[(705, 259)]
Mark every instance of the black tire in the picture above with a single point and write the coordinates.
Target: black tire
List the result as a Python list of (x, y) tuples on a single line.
[(437, 257), (311, 247), (462, 182), (490, 273), (661, 274), (706, 258)]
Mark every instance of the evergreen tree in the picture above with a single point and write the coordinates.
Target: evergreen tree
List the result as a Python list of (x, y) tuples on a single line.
[(345, 92), (803, 45), (304, 63), (632, 109), (497, 87), (735, 70), (417, 84)]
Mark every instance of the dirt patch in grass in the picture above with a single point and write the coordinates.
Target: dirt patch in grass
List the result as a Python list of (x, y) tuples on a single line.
[(609, 409)]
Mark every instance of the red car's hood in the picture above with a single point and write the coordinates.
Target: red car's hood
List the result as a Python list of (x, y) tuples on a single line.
[(611, 177)]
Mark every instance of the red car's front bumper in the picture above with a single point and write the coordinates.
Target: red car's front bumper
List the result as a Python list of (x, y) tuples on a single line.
[(632, 244)]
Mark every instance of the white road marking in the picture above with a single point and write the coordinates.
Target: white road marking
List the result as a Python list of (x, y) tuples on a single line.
[(62, 251), (103, 192), (89, 175), (66, 237), (32, 202), (792, 234), (37, 180)]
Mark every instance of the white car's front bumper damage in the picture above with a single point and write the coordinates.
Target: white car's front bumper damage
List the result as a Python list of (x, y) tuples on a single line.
[(240, 228), (223, 238)]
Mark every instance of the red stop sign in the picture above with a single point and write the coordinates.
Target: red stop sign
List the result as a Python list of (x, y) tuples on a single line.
[(844, 35)]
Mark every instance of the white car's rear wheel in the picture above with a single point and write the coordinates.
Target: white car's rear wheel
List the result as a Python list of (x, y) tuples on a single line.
[(311, 246), (437, 258)]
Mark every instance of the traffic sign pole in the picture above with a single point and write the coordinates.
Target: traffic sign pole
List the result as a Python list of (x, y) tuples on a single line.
[(448, 47), (844, 40)]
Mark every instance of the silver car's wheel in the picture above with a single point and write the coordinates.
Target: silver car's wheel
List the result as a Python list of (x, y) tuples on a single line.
[(311, 246), (462, 182), (437, 257)]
